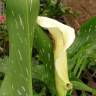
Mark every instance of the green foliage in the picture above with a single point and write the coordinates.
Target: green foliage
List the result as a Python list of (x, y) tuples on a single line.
[(21, 19), (55, 9), (3, 64), (45, 71), (82, 52), (81, 86), (52, 8)]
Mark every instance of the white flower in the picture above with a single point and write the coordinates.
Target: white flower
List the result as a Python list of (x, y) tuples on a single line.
[(63, 36), (68, 32)]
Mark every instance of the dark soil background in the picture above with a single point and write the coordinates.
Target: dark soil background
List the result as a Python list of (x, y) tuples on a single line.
[(85, 8)]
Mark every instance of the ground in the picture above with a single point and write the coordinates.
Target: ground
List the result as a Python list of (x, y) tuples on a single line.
[(85, 8)]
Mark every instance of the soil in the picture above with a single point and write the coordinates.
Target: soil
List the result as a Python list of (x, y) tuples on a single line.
[(85, 8)]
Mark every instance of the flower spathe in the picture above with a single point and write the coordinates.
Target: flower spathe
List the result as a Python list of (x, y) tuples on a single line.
[(63, 36)]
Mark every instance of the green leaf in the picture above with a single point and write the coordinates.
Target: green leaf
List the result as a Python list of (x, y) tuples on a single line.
[(3, 64), (82, 52), (45, 71), (21, 19), (81, 86)]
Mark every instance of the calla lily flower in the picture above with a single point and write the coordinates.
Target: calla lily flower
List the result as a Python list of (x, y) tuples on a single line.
[(63, 37)]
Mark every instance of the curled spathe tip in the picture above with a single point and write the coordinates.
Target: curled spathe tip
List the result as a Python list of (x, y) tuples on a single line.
[(68, 32)]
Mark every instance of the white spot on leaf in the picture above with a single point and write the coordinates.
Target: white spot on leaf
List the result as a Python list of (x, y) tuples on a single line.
[(27, 71), (23, 88), (20, 55), (21, 22), (16, 24), (19, 93), (13, 13)]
